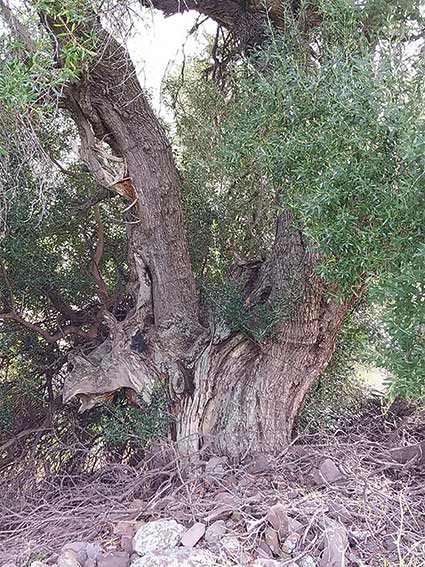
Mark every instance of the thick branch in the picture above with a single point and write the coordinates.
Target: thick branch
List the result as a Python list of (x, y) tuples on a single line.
[(8, 293), (102, 195), (247, 25), (109, 104), (224, 12), (76, 317)]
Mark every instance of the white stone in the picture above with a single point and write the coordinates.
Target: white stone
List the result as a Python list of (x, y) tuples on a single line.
[(307, 561), (193, 535), (231, 544), (158, 535), (94, 551)]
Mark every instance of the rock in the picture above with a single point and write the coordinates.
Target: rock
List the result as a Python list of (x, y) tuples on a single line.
[(216, 466), (215, 531), (259, 464), (227, 499), (227, 504), (307, 561), (94, 551), (37, 564), (80, 548), (328, 473), (231, 545), (336, 545), (179, 557), (339, 512), (272, 539), (294, 526), (158, 535), (290, 543), (68, 558), (90, 563), (193, 535), (234, 550), (355, 537), (277, 517), (114, 559), (264, 551)]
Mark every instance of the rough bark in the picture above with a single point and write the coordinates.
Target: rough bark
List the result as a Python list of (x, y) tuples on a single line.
[(244, 19), (109, 105), (246, 396)]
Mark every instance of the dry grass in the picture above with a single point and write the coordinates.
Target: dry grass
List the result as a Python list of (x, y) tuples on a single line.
[(381, 503)]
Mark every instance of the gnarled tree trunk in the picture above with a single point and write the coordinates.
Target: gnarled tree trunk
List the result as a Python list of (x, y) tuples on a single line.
[(222, 386)]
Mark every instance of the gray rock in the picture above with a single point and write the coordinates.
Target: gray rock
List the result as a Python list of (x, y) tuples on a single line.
[(68, 558), (38, 564), (336, 545), (259, 464), (158, 535), (295, 525), (277, 517), (328, 473), (231, 545), (114, 559), (126, 544), (179, 557), (80, 548), (290, 543), (215, 531), (94, 551), (271, 537), (216, 466)]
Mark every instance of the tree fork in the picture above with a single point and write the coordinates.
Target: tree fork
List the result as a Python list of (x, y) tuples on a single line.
[(244, 394)]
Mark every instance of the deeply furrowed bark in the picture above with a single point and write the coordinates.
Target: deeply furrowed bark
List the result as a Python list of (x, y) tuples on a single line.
[(246, 396)]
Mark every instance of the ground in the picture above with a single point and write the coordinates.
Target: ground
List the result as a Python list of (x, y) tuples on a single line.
[(350, 496)]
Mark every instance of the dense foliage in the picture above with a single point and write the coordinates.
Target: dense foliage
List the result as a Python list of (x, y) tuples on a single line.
[(339, 138)]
